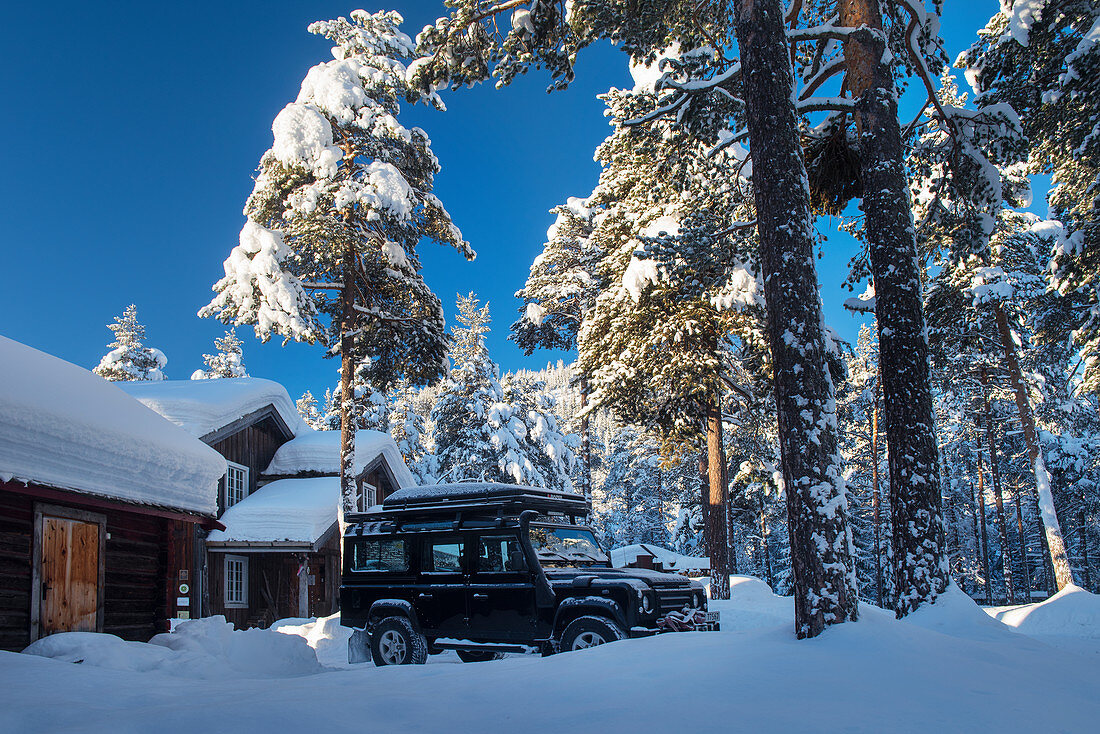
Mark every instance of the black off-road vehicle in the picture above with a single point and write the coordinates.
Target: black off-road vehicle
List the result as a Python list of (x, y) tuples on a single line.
[(486, 569)]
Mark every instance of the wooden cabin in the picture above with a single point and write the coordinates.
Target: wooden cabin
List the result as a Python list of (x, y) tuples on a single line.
[(278, 554), (100, 499)]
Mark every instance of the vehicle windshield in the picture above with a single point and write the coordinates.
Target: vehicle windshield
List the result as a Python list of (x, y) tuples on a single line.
[(563, 547)]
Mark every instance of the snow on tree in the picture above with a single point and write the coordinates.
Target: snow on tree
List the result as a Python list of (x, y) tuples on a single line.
[(129, 358), (482, 430), (307, 408), (559, 292), (1058, 43), (470, 44), (408, 427), (630, 506), (228, 362), (343, 198), (862, 443)]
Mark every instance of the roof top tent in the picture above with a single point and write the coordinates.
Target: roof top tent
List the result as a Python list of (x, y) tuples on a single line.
[(462, 502)]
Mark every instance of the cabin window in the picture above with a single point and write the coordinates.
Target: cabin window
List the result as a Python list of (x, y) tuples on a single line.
[(236, 582), (380, 555), (236, 484), (368, 494)]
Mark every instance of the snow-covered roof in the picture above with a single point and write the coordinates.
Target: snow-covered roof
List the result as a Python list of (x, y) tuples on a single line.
[(319, 452), (287, 510), (62, 426), (201, 407), (671, 560)]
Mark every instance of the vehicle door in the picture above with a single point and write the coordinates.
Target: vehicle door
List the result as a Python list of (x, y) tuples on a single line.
[(442, 586), (502, 591)]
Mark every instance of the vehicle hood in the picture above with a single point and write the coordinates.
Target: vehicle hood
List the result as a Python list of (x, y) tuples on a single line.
[(654, 579)]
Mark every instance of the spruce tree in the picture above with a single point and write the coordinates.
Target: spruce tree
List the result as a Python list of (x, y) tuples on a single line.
[(129, 358), (343, 198), (481, 432), (228, 362)]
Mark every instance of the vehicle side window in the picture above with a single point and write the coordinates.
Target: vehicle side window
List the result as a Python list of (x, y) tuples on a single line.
[(444, 555), (379, 555), (500, 554)]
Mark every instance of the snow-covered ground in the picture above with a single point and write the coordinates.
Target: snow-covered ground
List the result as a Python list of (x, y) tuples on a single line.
[(950, 668)]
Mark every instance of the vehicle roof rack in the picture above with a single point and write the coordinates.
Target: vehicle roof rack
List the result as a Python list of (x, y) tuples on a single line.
[(475, 498)]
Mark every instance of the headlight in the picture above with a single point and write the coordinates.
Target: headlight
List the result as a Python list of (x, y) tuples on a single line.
[(697, 600), (647, 604)]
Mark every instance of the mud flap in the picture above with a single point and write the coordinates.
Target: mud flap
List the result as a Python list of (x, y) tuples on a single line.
[(359, 647)]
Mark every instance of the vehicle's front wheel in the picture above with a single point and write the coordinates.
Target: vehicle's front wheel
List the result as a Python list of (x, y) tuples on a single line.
[(395, 642), (478, 656), (585, 632)]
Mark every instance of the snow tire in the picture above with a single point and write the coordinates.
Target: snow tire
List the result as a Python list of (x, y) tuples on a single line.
[(590, 631), (395, 642)]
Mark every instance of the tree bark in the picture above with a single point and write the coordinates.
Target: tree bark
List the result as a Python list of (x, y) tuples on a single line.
[(586, 447), (347, 399), (825, 590), (1023, 540), (920, 565), (769, 576), (716, 534), (1063, 572), (875, 510), (1086, 572), (998, 496), (984, 533)]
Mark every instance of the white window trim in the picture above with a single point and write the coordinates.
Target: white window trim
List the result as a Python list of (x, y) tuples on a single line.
[(368, 496), (243, 602), (244, 482)]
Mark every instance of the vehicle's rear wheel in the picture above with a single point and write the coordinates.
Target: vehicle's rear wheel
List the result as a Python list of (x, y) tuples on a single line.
[(395, 642), (478, 656), (584, 632)]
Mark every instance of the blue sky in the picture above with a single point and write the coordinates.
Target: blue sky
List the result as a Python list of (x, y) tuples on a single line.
[(132, 131)]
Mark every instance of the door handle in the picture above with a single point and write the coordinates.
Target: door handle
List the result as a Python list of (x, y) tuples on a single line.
[(481, 596), (424, 596)]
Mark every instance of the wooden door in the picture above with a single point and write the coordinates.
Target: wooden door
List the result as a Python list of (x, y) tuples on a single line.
[(70, 575)]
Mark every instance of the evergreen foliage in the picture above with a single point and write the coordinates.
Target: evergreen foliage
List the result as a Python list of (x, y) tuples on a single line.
[(129, 358), (228, 362)]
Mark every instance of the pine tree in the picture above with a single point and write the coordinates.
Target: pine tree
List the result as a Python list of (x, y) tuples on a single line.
[(129, 358), (557, 296), (469, 45), (228, 362), (343, 197), (1056, 42)]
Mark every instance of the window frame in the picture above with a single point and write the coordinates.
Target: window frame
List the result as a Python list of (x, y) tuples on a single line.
[(360, 543), (510, 537), (427, 559), (244, 473), (242, 603)]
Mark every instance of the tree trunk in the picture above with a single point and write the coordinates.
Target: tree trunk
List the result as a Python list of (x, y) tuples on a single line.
[(875, 504), (984, 533), (716, 534), (1086, 572), (920, 566), (586, 447), (825, 590), (347, 398), (768, 574), (1023, 540), (1063, 572), (998, 497), (979, 548)]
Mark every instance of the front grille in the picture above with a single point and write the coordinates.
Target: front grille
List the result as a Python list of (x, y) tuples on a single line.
[(673, 600)]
